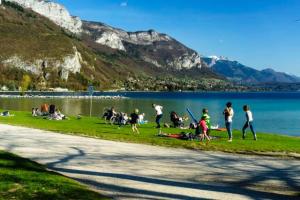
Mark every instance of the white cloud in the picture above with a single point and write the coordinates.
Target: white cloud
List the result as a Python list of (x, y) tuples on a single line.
[(124, 4)]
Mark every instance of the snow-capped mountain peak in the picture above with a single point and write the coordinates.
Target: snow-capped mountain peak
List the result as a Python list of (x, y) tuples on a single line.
[(217, 58)]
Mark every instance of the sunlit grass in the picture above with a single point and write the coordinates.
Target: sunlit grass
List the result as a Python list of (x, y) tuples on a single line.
[(22, 179), (95, 127)]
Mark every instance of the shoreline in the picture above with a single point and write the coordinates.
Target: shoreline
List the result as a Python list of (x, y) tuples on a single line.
[(131, 94), (62, 97), (150, 91)]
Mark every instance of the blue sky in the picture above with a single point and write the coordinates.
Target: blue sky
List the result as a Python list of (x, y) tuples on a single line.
[(258, 33)]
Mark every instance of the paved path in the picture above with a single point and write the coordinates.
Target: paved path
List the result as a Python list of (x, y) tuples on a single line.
[(132, 171)]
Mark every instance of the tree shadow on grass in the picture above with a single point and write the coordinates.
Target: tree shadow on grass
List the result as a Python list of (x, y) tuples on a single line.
[(23, 179)]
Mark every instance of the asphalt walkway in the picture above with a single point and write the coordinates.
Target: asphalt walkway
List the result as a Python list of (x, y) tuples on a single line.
[(133, 171)]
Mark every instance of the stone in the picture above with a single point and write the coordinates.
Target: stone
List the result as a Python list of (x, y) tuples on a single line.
[(55, 12), (69, 64)]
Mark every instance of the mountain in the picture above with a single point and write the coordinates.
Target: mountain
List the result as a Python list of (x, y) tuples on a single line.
[(159, 49), (41, 39), (240, 73)]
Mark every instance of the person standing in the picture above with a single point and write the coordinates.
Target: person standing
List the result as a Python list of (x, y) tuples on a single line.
[(228, 113), (249, 122), (207, 120), (134, 121), (204, 129), (159, 114)]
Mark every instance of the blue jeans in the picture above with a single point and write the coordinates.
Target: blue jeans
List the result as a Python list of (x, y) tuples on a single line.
[(229, 129), (158, 118), (247, 124)]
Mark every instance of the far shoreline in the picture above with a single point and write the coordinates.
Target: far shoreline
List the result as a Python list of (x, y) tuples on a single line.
[(150, 94)]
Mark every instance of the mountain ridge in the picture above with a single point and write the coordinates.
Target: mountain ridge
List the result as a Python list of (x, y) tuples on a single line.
[(53, 57), (94, 52), (240, 73)]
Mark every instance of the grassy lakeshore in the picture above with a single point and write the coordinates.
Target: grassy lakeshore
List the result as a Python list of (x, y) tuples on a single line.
[(95, 127), (23, 179)]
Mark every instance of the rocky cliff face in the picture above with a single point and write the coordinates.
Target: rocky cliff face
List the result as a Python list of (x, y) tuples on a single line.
[(55, 12), (68, 64), (32, 44), (115, 38), (158, 49)]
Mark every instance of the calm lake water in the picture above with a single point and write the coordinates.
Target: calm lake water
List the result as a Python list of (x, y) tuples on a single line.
[(273, 112)]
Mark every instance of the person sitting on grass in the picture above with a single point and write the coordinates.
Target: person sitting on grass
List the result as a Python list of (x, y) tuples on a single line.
[(45, 109), (249, 122), (38, 112), (134, 121), (6, 114), (204, 129), (178, 122), (123, 119), (33, 112), (109, 113), (142, 119), (207, 120)]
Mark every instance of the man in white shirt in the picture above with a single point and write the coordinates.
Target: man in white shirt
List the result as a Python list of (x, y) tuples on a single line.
[(229, 113), (159, 114)]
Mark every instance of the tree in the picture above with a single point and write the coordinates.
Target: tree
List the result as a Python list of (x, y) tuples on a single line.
[(26, 80)]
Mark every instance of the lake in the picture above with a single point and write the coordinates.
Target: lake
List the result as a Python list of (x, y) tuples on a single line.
[(273, 112)]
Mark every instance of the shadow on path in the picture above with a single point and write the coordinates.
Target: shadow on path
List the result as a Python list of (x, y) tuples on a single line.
[(215, 187), (80, 153)]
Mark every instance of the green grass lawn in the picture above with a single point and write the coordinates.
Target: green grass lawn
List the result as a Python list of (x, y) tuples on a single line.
[(23, 179), (95, 127)]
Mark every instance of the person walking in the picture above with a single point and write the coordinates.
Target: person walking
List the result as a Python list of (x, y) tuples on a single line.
[(249, 122), (204, 129), (134, 121), (159, 114), (229, 113)]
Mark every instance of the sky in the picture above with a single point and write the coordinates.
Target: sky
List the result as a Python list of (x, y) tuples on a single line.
[(258, 33)]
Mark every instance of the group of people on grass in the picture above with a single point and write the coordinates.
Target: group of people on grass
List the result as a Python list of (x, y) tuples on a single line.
[(122, 118), (50, 112), (203, 127)]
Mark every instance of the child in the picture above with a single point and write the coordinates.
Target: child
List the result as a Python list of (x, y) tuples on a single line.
[(204, 129), (134, 121), (207, 120), (249, 122)]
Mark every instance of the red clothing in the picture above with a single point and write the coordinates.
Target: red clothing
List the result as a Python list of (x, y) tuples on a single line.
[(203, 126)]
